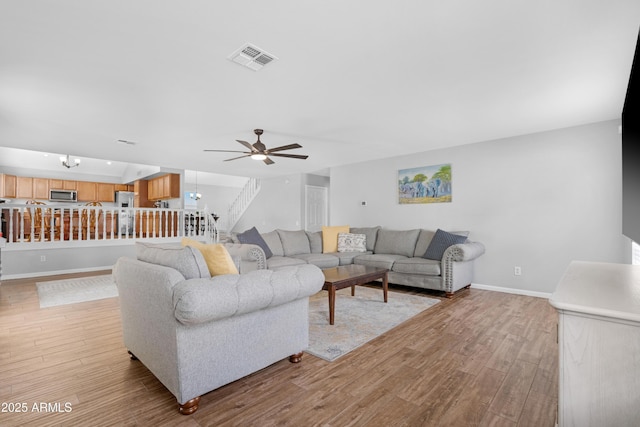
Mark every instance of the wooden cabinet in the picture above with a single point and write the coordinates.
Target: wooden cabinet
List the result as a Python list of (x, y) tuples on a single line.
[(121, 187), (106, 192), (164, 187), (69, 185), (87, 191), (24, 187), (598, 344), (56, 184), (8, 186), (171, 186), (41, 188)]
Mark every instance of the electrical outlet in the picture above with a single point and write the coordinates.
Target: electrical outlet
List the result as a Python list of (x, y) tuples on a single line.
[(517, 271), (43, 258)]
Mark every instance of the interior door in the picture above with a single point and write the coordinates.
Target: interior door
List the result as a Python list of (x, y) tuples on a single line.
[(316, 207)]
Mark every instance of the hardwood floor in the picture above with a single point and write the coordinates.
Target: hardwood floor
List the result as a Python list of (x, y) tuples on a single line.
[(479, 359)]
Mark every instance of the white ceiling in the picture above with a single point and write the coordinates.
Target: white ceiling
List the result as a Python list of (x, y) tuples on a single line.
[(355, 80)]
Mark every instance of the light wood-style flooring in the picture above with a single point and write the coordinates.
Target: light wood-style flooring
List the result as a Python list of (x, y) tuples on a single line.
[(479, 359)]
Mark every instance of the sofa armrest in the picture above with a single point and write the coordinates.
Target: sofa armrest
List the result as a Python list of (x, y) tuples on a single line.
[(251, 257), (463, 252), (203, 300)]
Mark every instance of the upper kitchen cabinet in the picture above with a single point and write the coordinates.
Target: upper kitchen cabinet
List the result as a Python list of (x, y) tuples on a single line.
[(41, 188), (106, 192), (24, 187), (87, 191), (7, 186), (164, 187)]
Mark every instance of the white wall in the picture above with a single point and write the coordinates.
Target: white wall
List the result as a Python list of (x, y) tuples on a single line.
[(537, 201), (277, 205)]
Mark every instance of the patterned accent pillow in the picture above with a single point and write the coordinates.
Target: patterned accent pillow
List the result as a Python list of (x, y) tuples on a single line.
[(440, 242), (349, 242)]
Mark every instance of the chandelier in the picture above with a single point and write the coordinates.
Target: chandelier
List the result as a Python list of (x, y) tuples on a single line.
[(196, 195), (66, 162)]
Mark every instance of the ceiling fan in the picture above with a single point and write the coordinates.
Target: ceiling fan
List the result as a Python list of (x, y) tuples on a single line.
[(258, 151)]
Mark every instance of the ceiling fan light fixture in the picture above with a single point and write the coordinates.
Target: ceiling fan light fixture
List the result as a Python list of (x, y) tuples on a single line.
[(258, 156)]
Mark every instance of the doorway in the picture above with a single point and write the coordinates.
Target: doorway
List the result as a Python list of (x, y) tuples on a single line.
[(316, 207)]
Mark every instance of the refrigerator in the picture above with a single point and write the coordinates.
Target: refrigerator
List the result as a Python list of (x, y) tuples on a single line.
[(124, 199)]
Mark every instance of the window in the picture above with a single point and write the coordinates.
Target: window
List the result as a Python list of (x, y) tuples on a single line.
[(635, 253)]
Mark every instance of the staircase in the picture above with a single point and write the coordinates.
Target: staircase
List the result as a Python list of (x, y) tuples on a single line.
[(242, 202)]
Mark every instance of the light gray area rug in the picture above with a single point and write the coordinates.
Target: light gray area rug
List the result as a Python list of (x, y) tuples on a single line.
[(358, 319), (71, 291)]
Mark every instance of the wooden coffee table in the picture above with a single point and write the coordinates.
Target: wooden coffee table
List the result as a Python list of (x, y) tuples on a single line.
[(351, 275)]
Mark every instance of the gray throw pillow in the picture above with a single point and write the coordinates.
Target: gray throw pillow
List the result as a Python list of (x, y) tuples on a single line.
[(440, 242), (253, 237)]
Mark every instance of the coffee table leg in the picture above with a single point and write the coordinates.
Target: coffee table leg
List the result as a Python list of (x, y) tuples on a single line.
[(385, 286), (353, 290), (332, 302)]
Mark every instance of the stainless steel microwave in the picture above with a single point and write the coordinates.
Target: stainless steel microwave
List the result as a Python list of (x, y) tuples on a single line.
[(63, 195)]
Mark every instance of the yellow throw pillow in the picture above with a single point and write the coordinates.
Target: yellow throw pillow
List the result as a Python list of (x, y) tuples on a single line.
[(330, 237), (216, 256)]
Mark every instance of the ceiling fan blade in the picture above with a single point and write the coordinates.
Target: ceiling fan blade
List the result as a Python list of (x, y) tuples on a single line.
[(284, 147), (293, 156), (268, 161), (246, 144), (227, 151), (240, 157)]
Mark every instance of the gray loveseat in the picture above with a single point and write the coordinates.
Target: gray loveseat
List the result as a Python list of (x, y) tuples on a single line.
[(196, 333), (400, 251)]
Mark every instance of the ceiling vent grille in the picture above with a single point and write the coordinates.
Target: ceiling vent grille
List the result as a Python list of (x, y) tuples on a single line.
[(251, 57)]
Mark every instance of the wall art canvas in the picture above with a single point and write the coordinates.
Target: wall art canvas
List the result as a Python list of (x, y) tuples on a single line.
[(426, 184)]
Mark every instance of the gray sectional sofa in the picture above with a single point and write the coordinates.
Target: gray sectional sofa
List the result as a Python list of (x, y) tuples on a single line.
[(400, 251), (196, 333)]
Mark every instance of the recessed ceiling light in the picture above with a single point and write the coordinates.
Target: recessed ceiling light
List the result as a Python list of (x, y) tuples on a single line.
[(108, 163)]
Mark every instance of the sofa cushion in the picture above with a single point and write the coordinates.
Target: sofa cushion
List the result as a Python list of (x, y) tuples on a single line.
[(216, 255), (330, 237), (315, 241), (370, 232), (349, 242), (272, 239), (187, 260), (378, 260), (440, 242), (417, 265), (320, 260), (425, 238), (253, 237), (294, 242), (396, 242), (276, 262), (346, 258)]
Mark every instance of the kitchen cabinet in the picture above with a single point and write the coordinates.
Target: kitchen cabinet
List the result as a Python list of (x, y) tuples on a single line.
[(105, 192), (121, 187), (87, 191), (598, 344), (164, 187), (8, 186), (41, 188), (24, 187), (56, 184), (69, 185)]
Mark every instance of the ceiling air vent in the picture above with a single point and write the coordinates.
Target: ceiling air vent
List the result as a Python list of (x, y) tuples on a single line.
[(252, 57)]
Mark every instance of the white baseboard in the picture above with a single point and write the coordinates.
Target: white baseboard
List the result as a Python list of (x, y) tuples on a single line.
[(6, 277), (511, 291)]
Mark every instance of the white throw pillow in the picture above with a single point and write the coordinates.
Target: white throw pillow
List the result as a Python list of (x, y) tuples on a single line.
[(349, 242)]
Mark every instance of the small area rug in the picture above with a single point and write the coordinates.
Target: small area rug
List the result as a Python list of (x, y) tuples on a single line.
[(71, 291), (358, 319)]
